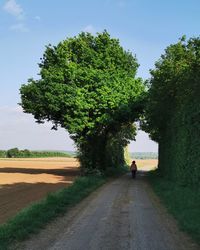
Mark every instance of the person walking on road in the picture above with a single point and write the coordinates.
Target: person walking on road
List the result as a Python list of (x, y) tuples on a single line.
[(133, 169)]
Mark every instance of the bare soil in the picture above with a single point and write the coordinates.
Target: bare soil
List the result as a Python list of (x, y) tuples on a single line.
[(27, 180)]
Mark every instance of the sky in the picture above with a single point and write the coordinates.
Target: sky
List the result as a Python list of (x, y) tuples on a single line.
[(144, 27)]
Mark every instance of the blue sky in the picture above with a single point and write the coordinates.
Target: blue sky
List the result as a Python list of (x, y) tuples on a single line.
[(144, 27)]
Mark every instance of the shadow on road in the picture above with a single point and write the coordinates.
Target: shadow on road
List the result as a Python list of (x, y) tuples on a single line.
[(69, 171)]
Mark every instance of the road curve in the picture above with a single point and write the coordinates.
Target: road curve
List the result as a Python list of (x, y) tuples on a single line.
[(123, 214)]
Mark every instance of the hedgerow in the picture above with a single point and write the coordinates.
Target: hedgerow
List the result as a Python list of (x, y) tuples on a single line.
[(173, 111)]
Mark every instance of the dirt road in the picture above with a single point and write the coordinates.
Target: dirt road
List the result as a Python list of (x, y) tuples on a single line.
[(123, 214)]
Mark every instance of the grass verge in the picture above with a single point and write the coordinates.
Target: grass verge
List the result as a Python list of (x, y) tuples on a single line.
[(116, 171), (182, 202), (33, 218)]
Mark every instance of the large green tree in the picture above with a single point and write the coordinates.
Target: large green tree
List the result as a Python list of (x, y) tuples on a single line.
[(87, 86)]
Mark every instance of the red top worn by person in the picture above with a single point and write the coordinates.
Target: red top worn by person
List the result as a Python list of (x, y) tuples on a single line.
[(133, 169)]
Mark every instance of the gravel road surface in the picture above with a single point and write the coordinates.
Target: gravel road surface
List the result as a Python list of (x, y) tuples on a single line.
[(123, 214)]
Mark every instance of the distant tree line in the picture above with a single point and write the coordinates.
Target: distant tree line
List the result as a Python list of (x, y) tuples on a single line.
[(16, 153), (2, 153), (144, 155)]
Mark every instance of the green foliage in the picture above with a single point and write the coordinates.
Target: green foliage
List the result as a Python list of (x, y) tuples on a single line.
[(38, 154), (12, 153), (88, 87), (127, 156), (2, 153), (182, 201), (16, 153), (35, 217), (173, 111)]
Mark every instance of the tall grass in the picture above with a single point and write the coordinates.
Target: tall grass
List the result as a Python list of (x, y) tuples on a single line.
[(183, 202)]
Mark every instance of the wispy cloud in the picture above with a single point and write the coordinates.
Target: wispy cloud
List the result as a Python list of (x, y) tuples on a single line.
[(89, 28), (14, 9), (19, 27)]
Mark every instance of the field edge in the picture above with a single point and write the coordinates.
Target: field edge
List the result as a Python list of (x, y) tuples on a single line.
[(182, 202), (33, 218)]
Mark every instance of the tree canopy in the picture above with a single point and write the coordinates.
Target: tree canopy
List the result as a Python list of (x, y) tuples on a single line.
[(88, 86), (174, 81)]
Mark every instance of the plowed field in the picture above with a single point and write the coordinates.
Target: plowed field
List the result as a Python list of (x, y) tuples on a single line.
[(23, 181)]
